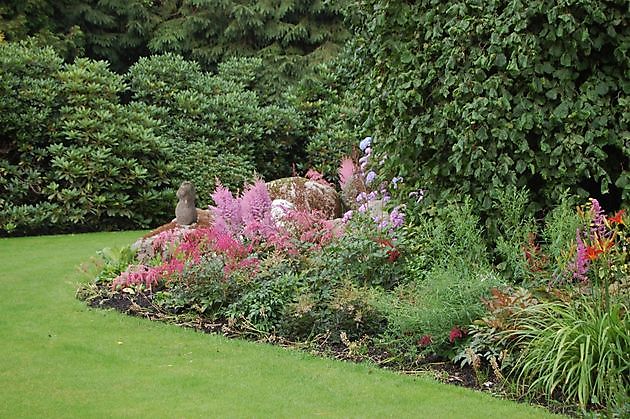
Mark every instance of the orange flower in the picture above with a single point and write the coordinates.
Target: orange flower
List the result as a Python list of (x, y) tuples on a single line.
[(618, 217), (592, 252), (605, 244)]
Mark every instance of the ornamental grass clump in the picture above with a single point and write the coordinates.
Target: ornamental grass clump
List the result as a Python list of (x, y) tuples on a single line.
[(573, 351)]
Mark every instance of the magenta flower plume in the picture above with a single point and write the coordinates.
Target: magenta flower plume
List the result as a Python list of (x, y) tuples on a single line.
[(346, 171), (598, 226), (227, 210), (256, 205), (580, 267)]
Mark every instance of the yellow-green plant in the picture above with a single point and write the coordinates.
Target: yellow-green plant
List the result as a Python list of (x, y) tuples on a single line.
[(579, 351)]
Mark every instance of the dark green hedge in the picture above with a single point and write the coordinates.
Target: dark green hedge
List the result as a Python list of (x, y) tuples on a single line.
[(468, 97)]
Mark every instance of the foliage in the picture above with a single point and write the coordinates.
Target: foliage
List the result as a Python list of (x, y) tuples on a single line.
[(485, 341), (75, 157), (577, 349), (288, 35), (219, 113), (44, 23), (515, 243), (451, 236), (472, 97), (421, 316), (331, 114), (447, 272), (30, 97), (263, 302)]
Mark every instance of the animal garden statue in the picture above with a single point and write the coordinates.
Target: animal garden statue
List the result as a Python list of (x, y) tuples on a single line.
[(186, 211)]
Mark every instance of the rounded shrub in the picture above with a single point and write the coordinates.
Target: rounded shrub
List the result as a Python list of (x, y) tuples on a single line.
[(73, 157), (220, 111)]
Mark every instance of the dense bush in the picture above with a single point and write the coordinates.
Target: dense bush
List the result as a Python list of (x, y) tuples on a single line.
[(331, 114), (73, 156), (470, 97), (215, 123), (288, 36), (447, 273)]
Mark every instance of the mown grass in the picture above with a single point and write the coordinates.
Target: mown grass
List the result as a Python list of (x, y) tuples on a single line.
[(60, 359)]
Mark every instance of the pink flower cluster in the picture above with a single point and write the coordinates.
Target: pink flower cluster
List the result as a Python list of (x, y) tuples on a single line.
[(179, 248)]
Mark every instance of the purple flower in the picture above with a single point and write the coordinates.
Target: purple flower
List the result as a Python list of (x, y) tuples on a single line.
[(397, 218), (381, 221), (369, 178), (347, 216), (227, 212), (365, 143), (597, 216), (256, 204)]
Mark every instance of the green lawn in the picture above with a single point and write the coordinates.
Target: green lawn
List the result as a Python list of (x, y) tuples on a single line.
[(60, 359)]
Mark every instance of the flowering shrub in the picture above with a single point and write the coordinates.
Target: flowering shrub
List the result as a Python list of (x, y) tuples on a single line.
[(179, 248)]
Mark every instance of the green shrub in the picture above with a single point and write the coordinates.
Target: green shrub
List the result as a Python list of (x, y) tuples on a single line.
[(204, 164), (576, 351), (442, 237), (30, 98), (516, 235), (219, 112), (447, 271), (263, 303), (331, 116), (449, 298), (559, 235), (471, 97), (107, 162), (75, 157), (202, 288), (332, 306)]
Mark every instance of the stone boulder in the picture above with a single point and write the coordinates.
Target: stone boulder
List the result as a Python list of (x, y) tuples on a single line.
[(307, 195)]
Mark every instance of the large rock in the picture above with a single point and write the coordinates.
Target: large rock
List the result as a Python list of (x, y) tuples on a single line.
[(307, 195)]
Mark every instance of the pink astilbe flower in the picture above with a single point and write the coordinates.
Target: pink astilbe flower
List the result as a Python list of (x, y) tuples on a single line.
[(256, 210), (346, 171), (312, 228), (230, 247), (166, 242), (581, 264), (148, 275), (227, 210)]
